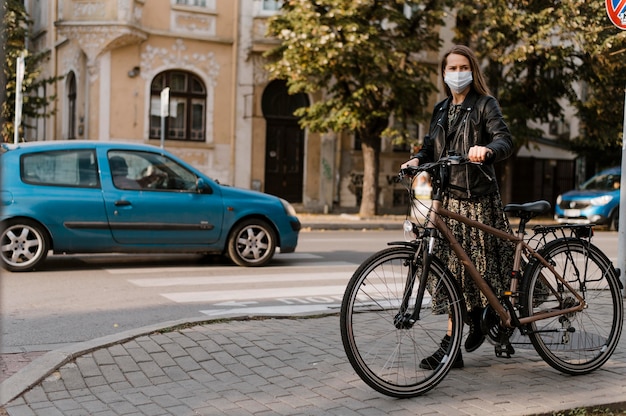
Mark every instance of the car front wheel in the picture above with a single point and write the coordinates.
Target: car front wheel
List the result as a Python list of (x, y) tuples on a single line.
[(23, 244), (252, 243)]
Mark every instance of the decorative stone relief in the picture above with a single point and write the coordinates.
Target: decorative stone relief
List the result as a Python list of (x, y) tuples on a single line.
[(259, 29), (94, 40), (71, 59), (195, 23), (88, 9), (137, 14), (261, 76), (124, 10), (153, 60)]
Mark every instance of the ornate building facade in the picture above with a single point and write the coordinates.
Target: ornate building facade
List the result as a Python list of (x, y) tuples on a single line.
[(225, 116)]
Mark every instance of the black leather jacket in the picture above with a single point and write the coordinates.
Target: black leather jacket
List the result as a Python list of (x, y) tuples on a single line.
[(479, 123)]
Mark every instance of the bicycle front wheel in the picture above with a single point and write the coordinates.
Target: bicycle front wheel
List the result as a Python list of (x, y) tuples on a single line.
[(577, 342), (390, 357)]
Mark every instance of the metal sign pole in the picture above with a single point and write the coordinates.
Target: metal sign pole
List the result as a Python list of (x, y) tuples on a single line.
[(621, 240), (616, 11)]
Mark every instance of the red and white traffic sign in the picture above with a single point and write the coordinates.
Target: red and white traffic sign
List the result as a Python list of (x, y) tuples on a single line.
[(616, 9)]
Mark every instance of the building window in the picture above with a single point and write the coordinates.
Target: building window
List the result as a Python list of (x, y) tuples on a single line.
[(267, 7), (197, 3), (187, 107), (271, 5)]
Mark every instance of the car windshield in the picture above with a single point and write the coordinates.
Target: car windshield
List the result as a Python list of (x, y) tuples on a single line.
[(602, 182)]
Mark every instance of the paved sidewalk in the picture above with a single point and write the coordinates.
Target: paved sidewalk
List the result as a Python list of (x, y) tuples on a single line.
[(290, 366)]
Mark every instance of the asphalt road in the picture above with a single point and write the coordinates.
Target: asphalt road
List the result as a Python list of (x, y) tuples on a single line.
[(78, 298)]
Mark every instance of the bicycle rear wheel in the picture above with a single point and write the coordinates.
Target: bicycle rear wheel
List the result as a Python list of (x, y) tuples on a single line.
[(386, 357), (579, 342)]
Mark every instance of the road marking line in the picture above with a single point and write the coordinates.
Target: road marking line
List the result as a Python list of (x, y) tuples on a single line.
[(272, 310), (271, 293), (236, 279), (214, 269)]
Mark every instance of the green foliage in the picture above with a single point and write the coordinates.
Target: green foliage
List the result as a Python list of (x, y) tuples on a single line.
[(17, 29), (539, 53), (369, 60), (365, 55)]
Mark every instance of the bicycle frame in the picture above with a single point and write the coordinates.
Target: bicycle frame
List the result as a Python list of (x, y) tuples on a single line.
[(435, 221)]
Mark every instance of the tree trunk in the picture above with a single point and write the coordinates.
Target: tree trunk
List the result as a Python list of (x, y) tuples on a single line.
[(506, 182), (369, 199)]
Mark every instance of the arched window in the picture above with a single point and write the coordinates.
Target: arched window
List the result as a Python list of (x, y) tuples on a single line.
[(71, 106), (187, 109)]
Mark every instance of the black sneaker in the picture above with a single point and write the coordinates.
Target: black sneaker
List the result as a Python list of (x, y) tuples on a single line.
[(430, 363), (475, 338)]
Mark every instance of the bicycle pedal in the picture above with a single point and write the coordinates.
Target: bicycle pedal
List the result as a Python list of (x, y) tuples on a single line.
[(504, 350)]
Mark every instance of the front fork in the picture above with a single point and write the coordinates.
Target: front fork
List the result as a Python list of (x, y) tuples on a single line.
[(405, 319)]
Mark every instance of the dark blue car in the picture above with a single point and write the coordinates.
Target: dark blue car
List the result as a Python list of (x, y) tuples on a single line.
[(108, 197), (595, 202)]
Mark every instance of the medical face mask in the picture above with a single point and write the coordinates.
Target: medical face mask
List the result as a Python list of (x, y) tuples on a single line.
[(458, 81)]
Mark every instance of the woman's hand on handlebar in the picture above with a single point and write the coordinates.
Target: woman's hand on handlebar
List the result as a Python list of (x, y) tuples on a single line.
[(479, 154), (411, 162)]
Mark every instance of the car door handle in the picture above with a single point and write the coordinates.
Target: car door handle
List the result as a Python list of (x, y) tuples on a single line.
[(122, 203)]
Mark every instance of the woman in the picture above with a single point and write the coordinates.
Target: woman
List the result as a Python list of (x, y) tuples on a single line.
[(469, 122)]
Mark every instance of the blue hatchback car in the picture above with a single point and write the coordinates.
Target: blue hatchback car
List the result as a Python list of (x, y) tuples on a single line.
[(595, 202), (108, 197)]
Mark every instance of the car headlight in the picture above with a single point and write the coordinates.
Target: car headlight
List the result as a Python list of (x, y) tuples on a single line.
[(559, 199), (601, 200), (289, 209)]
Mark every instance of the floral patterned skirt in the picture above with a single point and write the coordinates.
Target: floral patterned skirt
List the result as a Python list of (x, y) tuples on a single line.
[(493, 257)]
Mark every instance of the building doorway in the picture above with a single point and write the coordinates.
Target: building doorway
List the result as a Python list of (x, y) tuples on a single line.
[(284, 142)]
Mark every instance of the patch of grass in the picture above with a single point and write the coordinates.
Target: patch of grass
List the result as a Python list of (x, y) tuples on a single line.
[(583, 411)]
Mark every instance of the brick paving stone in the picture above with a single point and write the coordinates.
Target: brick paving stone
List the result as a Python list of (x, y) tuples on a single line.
[(88, 366), (149, 345), (103, 357), (126, 363), (294, 367), (152, 409), (151, 369), (163, 359), (198, 354)]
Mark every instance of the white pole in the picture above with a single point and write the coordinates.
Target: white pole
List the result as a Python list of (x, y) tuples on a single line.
[(621, 241), (19, 75), (165, 111)]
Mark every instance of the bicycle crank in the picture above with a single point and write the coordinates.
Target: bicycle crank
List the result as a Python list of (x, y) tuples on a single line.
[(498, 335)]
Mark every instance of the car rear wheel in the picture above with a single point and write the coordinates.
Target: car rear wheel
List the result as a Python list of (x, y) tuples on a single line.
[(24, 245), (252, 243)]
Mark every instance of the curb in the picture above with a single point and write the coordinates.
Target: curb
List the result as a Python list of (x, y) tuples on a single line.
[(47, 364), (43, 366)]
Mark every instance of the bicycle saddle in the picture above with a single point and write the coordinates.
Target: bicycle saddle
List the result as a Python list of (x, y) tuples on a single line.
[(532, 208)]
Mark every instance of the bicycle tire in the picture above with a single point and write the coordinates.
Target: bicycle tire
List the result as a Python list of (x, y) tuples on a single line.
[(579, 342), (385, 357)]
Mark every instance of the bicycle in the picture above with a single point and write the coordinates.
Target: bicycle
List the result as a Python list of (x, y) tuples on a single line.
[(565, 296)]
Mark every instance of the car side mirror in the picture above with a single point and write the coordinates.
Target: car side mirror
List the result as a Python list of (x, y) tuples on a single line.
[(202, 187)]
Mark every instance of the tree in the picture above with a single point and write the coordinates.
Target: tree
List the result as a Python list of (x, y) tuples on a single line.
[(542, 54), (600, 104), (364, 56), (17, 30)]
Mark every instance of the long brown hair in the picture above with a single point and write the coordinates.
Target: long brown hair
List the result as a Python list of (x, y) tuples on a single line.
[(479, 84)]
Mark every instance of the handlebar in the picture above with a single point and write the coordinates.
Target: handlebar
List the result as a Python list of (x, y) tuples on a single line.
[(432, 167)]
